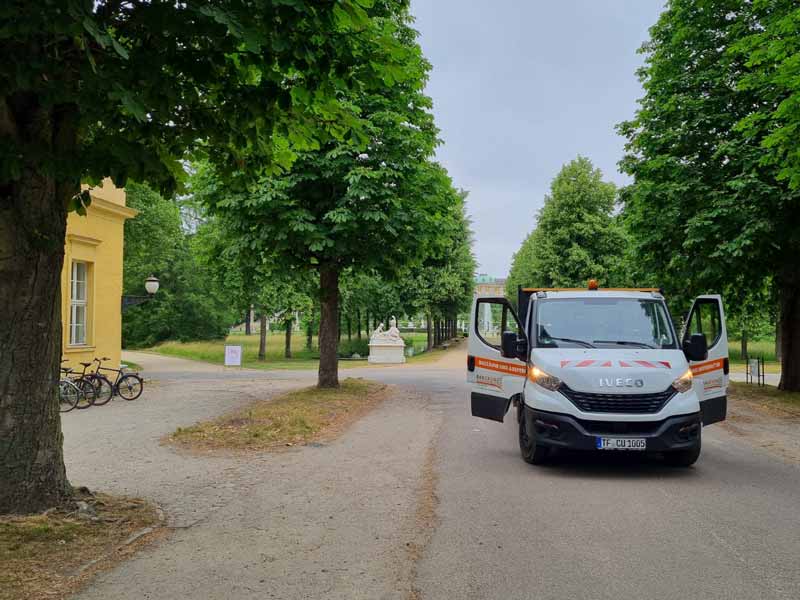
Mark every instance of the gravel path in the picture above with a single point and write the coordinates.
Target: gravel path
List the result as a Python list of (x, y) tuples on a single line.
[(339, 519)]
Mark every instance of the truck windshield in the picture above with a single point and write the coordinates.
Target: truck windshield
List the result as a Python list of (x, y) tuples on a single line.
[(603, 323)]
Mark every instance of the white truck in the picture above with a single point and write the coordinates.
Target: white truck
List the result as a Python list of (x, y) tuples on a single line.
[(599, 369)]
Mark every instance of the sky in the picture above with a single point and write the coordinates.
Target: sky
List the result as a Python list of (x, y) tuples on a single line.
[(521, 87)]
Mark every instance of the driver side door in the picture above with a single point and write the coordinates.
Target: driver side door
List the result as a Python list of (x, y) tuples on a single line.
[(494, 378)]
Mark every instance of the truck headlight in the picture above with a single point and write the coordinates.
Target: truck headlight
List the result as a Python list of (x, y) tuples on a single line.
[(547, 381), (684, 382)]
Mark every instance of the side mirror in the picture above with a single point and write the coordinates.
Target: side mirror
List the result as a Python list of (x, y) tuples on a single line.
[(513, 346), (696, 347)]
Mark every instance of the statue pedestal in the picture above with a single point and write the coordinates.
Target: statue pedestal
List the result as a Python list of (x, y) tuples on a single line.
[(382, 353)]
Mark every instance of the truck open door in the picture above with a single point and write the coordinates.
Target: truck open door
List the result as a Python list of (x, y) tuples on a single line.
[(494, 379), (710, 374)]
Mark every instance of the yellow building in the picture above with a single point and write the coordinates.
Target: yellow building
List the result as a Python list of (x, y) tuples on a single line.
[(91, 280), (486, 285)]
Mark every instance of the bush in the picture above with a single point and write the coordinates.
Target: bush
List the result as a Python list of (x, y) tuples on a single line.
[(355, 346)]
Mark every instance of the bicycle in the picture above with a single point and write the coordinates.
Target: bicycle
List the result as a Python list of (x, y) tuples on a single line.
[(68, 395), (84, 385), (103, 389), (126, 385)]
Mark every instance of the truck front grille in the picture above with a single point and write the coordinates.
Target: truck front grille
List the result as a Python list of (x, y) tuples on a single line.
[(618, 403)]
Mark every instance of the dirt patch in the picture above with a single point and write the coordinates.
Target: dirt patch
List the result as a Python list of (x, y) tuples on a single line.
[(765, 399), (53, 554), (766, 418), (295, 418)]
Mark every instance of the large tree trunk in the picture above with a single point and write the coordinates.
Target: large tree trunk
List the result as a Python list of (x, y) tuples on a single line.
[(262, 342), (33, 222), (349, 329), (287, 346), (790, 332), (429, 325), (358, 324), (778, 337), (328, 327), (247, 319)]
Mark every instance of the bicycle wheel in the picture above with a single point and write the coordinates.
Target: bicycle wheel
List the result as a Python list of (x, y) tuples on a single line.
[(68, 395), (86, 388), (103, 390), (130, 386)]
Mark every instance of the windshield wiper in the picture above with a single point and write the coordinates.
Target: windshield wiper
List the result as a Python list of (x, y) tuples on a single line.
[(583, 343), (624, 343)]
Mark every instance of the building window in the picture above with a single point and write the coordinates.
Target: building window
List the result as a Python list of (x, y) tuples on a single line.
[(78, 303)]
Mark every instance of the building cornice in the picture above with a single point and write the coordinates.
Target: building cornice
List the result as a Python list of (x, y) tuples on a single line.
[(110, 208), (82, 239)]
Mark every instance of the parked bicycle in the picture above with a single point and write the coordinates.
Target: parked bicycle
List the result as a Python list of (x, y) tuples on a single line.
[(68, 395), (126, 385), (103, 388), (84, 384)]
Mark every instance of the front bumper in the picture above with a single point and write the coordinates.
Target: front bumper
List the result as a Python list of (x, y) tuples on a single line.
[(563, 431)]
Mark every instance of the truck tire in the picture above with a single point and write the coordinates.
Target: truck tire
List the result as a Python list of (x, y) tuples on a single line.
[(531, 452), (683, 458)]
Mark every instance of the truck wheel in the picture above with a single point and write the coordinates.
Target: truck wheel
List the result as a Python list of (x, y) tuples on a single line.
[(683, 458), (531, 452)]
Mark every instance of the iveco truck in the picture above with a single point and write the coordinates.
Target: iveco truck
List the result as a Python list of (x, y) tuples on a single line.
[(599, 369)]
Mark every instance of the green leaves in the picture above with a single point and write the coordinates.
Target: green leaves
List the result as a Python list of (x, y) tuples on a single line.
[(245, 85), (79, 203), (713, 149), (576, 237)]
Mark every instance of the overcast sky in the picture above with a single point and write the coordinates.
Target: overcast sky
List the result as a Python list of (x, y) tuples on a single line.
[(521, 87)]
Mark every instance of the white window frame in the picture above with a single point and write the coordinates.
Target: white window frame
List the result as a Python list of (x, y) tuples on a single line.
[(75, 303)]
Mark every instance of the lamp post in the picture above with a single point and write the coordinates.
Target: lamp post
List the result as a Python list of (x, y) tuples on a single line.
[(150, 286)]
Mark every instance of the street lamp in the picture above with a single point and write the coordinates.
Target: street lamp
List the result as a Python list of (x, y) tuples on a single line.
[(150, 286)]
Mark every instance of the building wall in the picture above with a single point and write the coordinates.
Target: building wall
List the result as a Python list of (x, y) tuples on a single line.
[(97, 240), (494, 289)]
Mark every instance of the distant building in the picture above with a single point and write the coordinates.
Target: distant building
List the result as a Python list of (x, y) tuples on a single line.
[(488, 285)]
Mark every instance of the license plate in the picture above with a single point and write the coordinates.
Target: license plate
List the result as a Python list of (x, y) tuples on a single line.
[(606, 443)]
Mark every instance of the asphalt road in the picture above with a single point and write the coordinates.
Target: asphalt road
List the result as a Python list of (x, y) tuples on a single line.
[(421, 500)]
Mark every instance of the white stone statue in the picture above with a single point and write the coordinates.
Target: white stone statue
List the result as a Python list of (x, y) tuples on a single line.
[(391, 336), (387, 346)]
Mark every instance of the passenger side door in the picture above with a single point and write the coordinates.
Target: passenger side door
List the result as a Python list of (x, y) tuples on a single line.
[(707, 317), (494, 379)]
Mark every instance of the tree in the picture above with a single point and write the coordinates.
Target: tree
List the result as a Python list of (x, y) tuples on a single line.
[(190, 304), (442, 285), (125, 89), (712, 206), (342, 206), (576, 237)]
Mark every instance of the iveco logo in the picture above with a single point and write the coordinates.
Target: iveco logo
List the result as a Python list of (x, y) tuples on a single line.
[(621, 382)]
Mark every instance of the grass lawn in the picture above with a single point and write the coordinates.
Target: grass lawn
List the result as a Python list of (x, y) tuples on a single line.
[(302, 358), (764, 348), (290, 419), (42, 556), (766, 396)]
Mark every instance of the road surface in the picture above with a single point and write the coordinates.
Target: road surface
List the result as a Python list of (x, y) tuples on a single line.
[(420, 500)]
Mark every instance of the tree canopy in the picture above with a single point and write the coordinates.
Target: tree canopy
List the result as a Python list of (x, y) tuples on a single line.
[(576, 237)]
